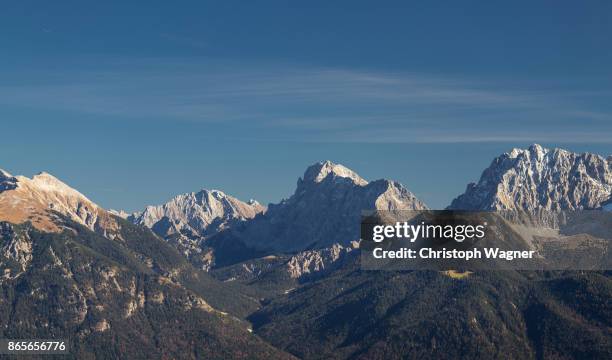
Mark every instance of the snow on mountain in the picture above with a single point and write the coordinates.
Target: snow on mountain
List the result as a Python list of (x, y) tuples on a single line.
[(324, 210), (319, 172), (199, 214), (188, 219), (23, 199), (539, 178)]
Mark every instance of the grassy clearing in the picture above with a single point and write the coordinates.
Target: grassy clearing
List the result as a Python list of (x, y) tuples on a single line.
[(456, 274)]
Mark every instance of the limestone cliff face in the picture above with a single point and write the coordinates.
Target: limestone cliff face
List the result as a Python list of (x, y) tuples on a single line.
[(187, 220), (310, 262), (15, 247), (199, 214), (324, 210), (539, 178)]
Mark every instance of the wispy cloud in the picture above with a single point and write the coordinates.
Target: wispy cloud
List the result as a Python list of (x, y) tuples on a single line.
[(313, 104)]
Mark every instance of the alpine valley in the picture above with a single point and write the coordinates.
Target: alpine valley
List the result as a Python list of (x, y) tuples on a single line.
[(207, 275)]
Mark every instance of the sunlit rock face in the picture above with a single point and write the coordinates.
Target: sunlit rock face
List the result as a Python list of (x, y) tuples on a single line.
[(39, 200), (187, 220), (325, 209), (203, 213), (539, 178)]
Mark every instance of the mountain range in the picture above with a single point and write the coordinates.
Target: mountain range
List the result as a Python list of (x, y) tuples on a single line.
[(71, 270), (539, 178), (187, 220), (207, 275)]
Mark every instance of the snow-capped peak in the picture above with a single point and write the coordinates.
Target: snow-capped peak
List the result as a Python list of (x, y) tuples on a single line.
[(24, 199), (324, 209), (46, 182), (196, 212), (539, 178), (318, 172), (534, 151)]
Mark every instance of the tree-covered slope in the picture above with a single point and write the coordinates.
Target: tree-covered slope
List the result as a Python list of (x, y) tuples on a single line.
[(426, 314), (132, 297)]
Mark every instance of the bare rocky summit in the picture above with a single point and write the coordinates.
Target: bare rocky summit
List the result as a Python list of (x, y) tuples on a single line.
[(187, 220), (40, 198), (325, 210), (198, 214), (539, 178)]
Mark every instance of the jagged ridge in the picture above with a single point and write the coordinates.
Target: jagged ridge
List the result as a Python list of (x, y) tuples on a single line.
[(539, 178), (324, 210), (203, 213)]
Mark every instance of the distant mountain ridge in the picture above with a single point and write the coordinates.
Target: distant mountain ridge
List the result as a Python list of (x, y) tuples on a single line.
[(70, 269), (203, 213), (188, 219), (117, 287), (329, 195), (37, 199), (324, 210), (539, 178), (354, 314)]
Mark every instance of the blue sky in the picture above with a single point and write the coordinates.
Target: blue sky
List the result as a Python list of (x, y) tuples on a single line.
[(133, 102)]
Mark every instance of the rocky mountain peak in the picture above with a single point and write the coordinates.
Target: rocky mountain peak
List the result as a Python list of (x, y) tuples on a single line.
[(535, 150), (325, 209), (23, 199), (46, 182), (540, 178), (396, 197), (202, 213), (318, 172)]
